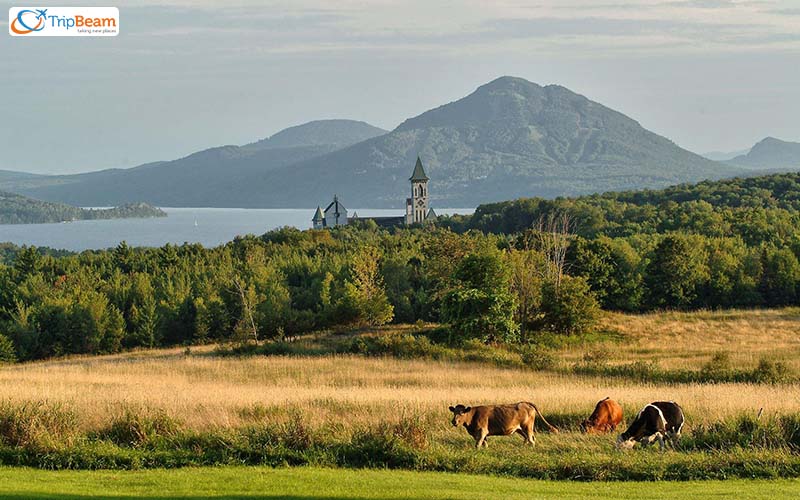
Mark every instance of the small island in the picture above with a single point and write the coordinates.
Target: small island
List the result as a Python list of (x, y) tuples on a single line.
[(18, 209)]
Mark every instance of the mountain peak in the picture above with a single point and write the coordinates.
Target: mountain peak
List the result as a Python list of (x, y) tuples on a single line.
[(771, 153), (509, 82), (336, 132)]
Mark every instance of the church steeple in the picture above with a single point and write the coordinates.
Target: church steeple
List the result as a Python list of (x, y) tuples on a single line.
[(419, 195), (318, 222), (419, 172)]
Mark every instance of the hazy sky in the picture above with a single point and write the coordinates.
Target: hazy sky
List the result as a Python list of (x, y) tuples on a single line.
[(187, 75)]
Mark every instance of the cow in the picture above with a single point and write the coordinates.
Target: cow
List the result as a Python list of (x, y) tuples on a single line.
[(606, 416), (498, 420), (656, 421)]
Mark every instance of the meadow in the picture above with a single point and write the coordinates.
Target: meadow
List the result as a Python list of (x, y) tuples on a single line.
[(307, 483), (210, 406)]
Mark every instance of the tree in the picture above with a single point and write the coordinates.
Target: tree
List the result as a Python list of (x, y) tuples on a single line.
[(612, 269), (570, 308), (8, 353), (480, 305), (781, 273), (677, 269), (526, 284), (365, 292)]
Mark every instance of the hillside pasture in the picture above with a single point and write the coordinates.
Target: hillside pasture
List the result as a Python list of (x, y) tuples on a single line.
[(176, 407)]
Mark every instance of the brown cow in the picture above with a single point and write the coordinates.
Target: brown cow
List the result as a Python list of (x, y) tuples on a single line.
[(498, 420), (605, 418)]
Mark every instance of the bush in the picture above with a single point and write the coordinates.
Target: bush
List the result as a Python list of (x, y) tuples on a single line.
[(36, 425), (569, 308), (139, 429), (772, 372), (747, 432), (537, 358), (718, 369)]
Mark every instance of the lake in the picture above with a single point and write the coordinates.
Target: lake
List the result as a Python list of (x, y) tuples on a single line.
[(208, 226)]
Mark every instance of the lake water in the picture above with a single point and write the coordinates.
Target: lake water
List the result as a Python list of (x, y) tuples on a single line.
[(208, 226)]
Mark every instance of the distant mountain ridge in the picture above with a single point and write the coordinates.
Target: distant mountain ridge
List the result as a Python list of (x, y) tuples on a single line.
[(509, 138), (770, 153), (213, 177)]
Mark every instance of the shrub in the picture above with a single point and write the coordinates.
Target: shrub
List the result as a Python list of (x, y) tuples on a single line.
[(569, 308), (771, 372), (36, 425), (139, 429), (537, 358), (718, 369)]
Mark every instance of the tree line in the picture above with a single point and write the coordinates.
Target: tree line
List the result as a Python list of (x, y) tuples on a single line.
[(506, 274)]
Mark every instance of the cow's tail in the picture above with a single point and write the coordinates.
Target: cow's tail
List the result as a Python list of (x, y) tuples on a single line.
[(552, 429)]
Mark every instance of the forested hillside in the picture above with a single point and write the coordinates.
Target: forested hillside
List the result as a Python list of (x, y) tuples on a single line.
[(17, 209), (757, 209), (722, 244)]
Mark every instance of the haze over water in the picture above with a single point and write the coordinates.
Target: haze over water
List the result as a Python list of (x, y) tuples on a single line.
[(213, 227)]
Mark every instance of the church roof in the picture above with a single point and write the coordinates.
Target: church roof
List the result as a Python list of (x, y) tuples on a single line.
[(318, 215), (336, 205), (431, 215), (419, 172)]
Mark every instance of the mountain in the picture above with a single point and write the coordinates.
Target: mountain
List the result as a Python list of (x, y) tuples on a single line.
[(510, 138), (337, 133), (18, 209), (214, 177), (770, 154), (723, 155)]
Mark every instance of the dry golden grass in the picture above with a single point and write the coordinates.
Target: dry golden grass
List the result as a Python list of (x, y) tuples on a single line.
[(205, 391), (678, 340)]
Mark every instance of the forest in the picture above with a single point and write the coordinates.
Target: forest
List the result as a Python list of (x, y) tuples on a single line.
[(18, 209), (508, 274)]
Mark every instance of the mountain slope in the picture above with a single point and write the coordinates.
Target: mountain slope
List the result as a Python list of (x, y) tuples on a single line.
[(510, 138), (213, 177), (770, 153)]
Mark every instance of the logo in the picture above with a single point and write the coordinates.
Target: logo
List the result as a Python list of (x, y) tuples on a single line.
[(63, 21), (19, 26)]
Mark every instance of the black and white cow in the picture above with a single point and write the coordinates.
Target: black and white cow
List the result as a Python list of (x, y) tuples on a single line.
[(656, 421)]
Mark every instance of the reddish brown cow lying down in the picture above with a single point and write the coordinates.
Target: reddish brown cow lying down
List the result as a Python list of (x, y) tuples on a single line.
[(605, 418), (498, 420)]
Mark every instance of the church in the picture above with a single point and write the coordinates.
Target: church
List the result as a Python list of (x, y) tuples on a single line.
[(417, 207)]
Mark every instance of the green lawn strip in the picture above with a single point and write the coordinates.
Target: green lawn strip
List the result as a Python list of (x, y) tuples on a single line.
[(309, 482)]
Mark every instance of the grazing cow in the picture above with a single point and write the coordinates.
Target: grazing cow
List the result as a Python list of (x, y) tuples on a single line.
[(655, 422), (498, 420), (605, 418)]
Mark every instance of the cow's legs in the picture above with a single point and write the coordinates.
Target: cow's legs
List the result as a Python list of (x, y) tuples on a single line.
[(481, 439), (674, 439), (527, 435)]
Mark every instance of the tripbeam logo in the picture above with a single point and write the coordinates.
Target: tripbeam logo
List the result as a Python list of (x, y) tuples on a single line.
[(63, 21)]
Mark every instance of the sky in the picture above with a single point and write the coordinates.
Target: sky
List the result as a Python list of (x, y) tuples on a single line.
[(711, 75)]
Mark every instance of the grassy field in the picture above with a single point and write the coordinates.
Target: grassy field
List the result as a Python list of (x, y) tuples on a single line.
[(307, 483), (170, 408)]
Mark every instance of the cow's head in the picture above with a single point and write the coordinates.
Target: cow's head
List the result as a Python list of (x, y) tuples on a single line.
[(624, 442), (460, 414), (586, 426)]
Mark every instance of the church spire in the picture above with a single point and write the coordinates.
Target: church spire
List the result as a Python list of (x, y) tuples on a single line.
[(419, 172)]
